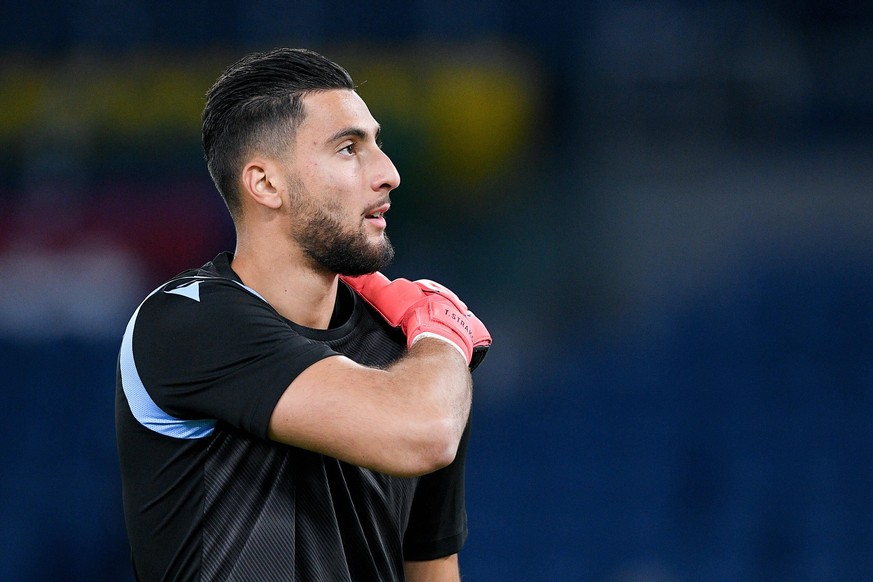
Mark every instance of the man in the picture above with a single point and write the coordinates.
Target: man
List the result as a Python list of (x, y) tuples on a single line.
[(286, 412)]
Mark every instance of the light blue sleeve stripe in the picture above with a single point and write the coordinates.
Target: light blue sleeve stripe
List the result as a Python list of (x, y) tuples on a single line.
[(141, 404)]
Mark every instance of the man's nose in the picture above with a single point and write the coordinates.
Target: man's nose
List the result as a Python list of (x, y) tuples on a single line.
[(387, 176)]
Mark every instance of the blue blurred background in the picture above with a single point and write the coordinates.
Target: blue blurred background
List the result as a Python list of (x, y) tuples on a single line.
[(661, 209)]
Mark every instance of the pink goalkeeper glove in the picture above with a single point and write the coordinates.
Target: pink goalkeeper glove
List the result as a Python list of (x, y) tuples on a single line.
[(424, 308)]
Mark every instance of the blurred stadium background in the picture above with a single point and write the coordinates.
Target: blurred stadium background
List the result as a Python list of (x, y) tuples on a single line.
[(662, 210)]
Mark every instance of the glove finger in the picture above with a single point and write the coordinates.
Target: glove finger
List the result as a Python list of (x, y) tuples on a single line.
[(366, 284), (430, 286), (481, 335)]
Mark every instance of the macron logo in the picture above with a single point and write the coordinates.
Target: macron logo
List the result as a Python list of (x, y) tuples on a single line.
[(189, 290)]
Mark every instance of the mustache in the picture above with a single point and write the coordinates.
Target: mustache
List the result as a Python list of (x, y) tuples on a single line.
[(378, 204)]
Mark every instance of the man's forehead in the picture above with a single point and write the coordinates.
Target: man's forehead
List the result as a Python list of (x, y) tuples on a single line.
[(330, 111)]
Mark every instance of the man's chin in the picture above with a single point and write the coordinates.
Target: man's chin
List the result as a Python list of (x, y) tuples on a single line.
[(366, 267), (355, 257)]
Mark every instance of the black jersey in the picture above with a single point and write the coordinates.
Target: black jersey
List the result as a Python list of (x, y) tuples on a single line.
[(207, 496)]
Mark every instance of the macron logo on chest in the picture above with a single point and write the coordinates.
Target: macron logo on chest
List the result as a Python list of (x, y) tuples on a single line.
[(189, 290)]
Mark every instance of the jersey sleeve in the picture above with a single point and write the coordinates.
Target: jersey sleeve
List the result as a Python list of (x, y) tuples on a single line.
[(210, 349), (438, 519)]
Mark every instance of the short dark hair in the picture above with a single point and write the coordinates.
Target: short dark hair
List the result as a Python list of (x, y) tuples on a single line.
[(256, 105)]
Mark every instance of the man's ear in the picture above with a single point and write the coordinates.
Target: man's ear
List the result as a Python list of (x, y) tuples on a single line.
[(261, 183)]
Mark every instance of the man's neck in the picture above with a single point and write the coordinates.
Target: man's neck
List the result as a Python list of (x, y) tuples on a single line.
[(298, 292)]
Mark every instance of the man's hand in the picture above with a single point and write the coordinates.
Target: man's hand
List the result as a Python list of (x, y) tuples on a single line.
[(424, 308)]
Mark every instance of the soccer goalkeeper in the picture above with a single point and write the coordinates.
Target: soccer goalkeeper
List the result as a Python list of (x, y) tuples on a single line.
[(285, 412)]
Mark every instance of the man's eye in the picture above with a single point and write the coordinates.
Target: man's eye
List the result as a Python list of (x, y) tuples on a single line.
[(349, 149)]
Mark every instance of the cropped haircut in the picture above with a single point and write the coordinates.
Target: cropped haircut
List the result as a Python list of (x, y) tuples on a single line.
[(256, 106)]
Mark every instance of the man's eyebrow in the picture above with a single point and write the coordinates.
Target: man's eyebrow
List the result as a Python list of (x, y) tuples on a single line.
[(353, 132)]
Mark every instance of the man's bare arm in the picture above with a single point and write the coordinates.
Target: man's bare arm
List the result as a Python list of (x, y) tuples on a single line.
[(439, 570), (405, 420)]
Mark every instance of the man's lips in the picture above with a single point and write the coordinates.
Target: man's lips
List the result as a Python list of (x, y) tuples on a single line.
[(376, 216)]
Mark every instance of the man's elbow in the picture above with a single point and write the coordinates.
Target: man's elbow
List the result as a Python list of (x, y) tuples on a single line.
[(437, 449), (444, 451)]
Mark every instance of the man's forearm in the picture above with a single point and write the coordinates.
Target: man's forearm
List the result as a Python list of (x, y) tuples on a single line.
[(439, 570), (434, 364), (406, 420)]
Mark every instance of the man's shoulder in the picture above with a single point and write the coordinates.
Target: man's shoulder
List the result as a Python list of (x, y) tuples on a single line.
[(200, 298), (216, 274), (217, 270)]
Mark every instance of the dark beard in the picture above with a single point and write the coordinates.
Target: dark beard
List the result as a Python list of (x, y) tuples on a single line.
[(337, 251)]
